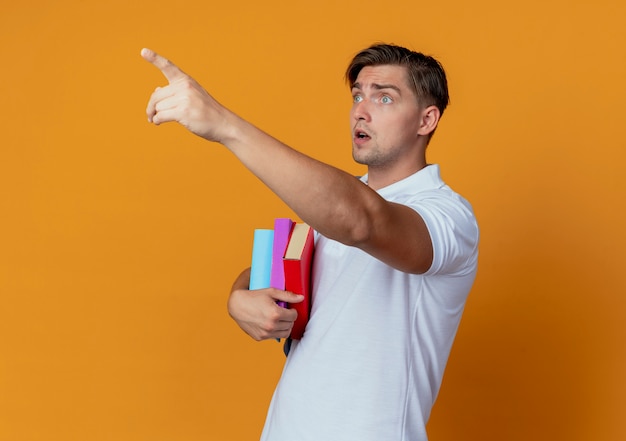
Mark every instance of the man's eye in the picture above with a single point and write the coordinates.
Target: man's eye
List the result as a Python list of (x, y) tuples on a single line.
[(357, 98), (385, 100)]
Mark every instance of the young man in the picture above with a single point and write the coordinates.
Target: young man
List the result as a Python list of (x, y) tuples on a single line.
[(396, 252)]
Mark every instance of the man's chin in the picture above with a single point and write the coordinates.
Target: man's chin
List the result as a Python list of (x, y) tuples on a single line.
[(359, 160), (358, 156)]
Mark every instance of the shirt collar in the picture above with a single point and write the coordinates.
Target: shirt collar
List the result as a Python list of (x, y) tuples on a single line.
[(427, 178)]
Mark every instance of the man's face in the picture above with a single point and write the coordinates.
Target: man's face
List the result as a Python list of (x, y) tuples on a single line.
[(385, 117)]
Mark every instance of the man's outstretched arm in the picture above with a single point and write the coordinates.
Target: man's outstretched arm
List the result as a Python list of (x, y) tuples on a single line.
[(330, 200)]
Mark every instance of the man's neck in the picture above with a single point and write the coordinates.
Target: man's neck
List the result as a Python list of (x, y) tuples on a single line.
[(378, 177)]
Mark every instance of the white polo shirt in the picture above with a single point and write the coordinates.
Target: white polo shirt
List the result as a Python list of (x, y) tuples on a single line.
[(371, 361)]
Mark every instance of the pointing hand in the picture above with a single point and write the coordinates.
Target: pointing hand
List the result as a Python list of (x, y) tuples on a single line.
[(183, 100)]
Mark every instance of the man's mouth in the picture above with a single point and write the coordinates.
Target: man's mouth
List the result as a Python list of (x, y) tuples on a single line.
[(361, 134)]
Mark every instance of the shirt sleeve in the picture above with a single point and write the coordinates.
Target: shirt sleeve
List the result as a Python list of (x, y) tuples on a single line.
[(453, 231)]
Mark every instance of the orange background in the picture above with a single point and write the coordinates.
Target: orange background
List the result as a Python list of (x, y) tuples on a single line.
[(119, 240)]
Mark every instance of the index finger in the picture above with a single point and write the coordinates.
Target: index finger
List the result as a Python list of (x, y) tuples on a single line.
[(169, 69)]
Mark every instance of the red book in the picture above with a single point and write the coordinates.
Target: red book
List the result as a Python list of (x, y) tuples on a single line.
[(297, 263)]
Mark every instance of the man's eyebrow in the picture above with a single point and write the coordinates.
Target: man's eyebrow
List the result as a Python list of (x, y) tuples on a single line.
[(379, 87)]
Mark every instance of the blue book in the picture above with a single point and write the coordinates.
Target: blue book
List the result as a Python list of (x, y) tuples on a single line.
[(261, 268)]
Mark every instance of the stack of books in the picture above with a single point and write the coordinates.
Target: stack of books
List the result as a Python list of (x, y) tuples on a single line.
[(281, 259)]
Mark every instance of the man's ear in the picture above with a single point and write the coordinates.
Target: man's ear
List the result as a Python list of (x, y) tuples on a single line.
[(430, 119)]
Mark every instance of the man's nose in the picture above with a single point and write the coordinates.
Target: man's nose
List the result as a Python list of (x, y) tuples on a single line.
[(361, 111)]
